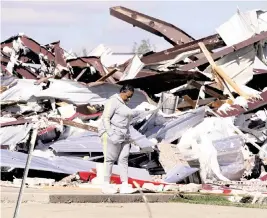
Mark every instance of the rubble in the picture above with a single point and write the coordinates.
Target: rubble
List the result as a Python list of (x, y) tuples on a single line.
[(202, 104)]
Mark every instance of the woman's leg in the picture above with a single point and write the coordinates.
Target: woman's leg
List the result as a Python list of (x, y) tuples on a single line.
[(123, 162), (111, 152)]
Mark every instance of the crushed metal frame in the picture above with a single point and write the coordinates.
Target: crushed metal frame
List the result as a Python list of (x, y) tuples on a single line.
[(211, 42), (169, 32), (236, 110), (226, 51)]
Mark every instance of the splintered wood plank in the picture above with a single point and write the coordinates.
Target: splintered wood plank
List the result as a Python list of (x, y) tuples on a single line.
[(219, 71), (189, 101)]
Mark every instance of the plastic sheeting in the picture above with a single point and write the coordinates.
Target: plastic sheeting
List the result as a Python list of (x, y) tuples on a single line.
[(64, 165), (216, 147), (69, 91), (230, 156)]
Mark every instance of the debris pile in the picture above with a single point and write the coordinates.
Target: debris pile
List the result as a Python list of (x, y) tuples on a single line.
[(202, 106)]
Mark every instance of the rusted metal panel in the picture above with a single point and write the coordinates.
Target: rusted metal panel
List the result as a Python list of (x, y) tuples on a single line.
[(252, 105), (59, 56), (8, 42), (31, 44), (163, 81), (17, 122), (93, 61), (25, 59), (207, 90), (211, 42), (23, 71), (4, 59), (74, 124), (37, 48), (58, 52), (86, 62), (226, 51), (260, 71), (171, 33), (51, 45), (3, 69)]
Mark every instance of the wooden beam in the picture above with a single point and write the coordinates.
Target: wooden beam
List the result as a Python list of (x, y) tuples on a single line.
[(74, 124), (190, 101), (103, 78), (221, 73), (219, 103), (201, 102)]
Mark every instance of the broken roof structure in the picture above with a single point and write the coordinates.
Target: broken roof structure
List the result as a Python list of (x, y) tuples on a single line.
[(201, 103)]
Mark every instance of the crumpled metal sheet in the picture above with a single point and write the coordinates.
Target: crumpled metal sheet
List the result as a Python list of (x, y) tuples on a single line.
[(90, 142), (7, 80), (141, 141), (86, 142), (242, 26), (22, 91), (64, 165), (173, 129), (67, 165), (69, 91), (132, 69), (178, 173), (12, 135)]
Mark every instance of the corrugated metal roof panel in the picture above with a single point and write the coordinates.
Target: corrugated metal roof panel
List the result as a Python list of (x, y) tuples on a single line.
[(90, 142), (65, 165)]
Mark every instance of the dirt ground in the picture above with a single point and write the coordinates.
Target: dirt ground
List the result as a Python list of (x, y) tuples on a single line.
[(132, 210)]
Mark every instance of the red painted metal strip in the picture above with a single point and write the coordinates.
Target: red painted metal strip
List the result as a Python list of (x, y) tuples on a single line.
[(252, 104), (226, 51)]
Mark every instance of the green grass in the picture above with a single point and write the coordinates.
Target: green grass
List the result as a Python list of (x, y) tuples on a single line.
[(209, 199)]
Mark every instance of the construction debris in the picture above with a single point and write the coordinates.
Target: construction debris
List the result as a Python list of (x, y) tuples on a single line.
[(202, 109)]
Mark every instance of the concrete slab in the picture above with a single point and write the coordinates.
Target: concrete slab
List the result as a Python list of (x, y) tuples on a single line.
[(41, 195), (76, 195)]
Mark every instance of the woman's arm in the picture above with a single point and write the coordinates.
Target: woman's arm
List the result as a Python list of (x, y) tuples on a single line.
[(108, 112)]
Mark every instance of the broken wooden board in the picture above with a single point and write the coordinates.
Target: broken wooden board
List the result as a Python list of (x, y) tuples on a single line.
[(189, 101), (169, 156), (220, 72)]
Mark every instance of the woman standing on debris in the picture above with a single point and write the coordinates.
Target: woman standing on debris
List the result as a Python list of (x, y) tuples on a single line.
[(115, 136)]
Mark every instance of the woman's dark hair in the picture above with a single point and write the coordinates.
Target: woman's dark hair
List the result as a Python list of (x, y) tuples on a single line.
[(126, 88)]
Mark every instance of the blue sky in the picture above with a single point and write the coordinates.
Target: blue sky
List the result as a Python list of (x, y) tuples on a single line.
[(88, 23)]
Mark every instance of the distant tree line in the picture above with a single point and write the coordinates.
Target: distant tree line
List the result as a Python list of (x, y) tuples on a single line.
[(138, 48)]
